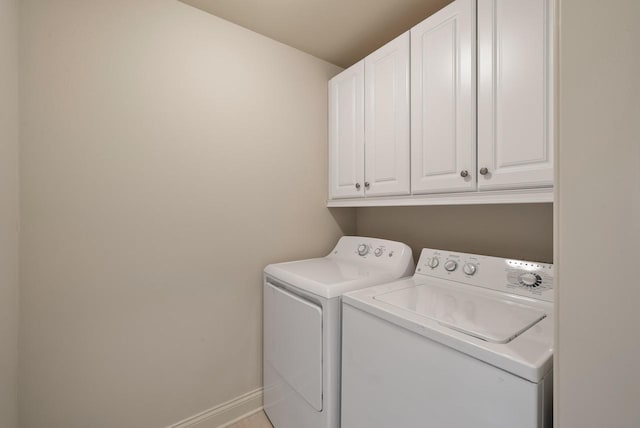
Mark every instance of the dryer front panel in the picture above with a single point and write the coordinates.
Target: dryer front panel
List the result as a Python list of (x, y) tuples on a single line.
[(293, 343)]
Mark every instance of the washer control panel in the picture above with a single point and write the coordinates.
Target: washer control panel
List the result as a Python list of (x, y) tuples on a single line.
[(530, 279)]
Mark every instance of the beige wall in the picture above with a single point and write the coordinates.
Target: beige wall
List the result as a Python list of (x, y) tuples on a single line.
[(168, 156), (522, 231), (9, 220), (598, 216)]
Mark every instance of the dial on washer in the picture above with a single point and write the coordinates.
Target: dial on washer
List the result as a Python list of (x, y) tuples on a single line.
[(529, 279), (433, 262), (469, 269), (451, 265)]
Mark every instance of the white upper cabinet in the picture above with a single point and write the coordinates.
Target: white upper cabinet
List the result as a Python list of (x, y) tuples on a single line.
[(387, 129), (460, 110), (346, 133), (515, 93), (443, 101)]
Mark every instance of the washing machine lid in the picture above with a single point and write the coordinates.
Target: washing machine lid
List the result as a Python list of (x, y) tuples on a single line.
[(329, 277), (479, 315)]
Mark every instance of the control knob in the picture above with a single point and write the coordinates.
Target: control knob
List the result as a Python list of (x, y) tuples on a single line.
[(378, 252), (451, 265), (433, 262), (363, 249), (529, 279), (469, 269)]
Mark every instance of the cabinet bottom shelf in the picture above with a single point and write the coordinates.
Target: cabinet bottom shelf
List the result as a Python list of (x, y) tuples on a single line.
[(524, 196)]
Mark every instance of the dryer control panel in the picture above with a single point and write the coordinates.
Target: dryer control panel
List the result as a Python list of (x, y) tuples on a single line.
[(374, 252), (524, 278)]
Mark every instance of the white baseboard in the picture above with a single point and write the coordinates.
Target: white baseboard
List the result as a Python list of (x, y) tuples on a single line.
[(225, 414)]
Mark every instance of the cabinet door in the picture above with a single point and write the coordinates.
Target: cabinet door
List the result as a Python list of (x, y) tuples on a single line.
[(515, 93), (387, 132), (346, 133), (443, 101)]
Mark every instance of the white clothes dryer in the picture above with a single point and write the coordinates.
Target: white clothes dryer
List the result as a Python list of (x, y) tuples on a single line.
[(466, 342), (302, 326)]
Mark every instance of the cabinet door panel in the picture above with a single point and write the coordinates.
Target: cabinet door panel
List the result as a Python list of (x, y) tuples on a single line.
[(346, 133), (387, 134), (443, 107), (515, 93)]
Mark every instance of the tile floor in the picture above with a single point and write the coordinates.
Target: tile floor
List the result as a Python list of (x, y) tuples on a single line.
[(257, 420)]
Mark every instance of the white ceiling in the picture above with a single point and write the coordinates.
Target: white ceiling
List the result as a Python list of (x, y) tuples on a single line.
[(339, 31)]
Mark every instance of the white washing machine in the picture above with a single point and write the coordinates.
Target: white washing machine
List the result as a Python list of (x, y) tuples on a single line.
[(466, 342), (302, 326)]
